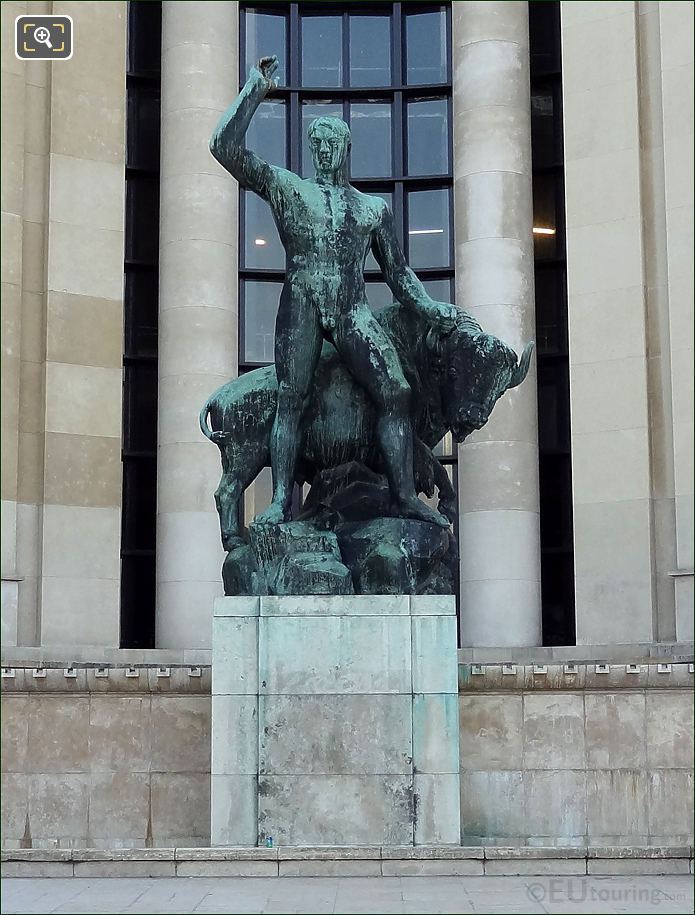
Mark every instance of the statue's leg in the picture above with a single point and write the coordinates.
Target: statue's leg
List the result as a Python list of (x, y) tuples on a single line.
[(239, 470), (298, 340), (373, 361)]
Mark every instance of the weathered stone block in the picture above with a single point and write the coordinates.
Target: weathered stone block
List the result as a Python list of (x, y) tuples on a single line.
[(615, 730), (534, 867), (554, 803), (235, 736), (334, 655), (671, 802), (350, 868), (120, 734), (33, 869), (336, 735), (490, 729), (336, 809), (492, 804), (427, 868), (433, 640), (15, 732), (615, 803), (125, 868), (435, 733), (234, 810), (180, 734), (437, 805), (58, 734), (670, 729), (118, 806), (636, 866), (221, 868), (58, 808), (345, 605), (172, 819), (235, 653), (553, 731)]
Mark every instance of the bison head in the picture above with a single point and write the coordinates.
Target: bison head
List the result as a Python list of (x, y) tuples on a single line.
[(475, 369)]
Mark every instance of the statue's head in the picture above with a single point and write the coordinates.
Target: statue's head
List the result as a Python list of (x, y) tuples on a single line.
[(329, 139)]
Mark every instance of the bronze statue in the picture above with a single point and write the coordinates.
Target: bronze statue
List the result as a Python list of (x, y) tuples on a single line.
[(327, 228), (355, 404)]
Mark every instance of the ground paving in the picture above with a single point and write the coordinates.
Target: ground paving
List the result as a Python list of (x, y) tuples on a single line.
[(354, 895)]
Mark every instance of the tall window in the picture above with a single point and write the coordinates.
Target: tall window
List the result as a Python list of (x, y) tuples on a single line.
[(140, 326), (386, 70), (557, 551)]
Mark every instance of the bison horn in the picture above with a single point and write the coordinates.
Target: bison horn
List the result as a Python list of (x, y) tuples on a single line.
[(521, 370)]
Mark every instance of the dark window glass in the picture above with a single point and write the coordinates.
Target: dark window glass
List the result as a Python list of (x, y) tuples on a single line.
[(143, 127), (140, 491), (260, 307), (322, 51), (145, 38), (428, 137), (141, 312), (266, 35), (140, 307), (140, 394), (553, 385), (379, 296), (267, 133), (370, 50), (426, 48), (138, 591), (262, 246), (439, 290), (370, 127), (544, 133), (545, 216), (551, 309), (428, 228), (311, 111), (142, 218), (544, 31), (556, 508)]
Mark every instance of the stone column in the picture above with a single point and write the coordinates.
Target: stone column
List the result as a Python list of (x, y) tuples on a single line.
[(197, 310), (612, 219), (76, 423), (13, 77), (498, 466)]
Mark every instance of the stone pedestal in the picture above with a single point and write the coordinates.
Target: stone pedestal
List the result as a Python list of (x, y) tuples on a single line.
[(335, 721)]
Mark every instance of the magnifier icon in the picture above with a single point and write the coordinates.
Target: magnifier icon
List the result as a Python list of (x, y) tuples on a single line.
[(43, 36)]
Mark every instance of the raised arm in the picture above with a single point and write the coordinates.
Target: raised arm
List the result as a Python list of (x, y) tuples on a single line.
[(403, 283), (227, 141)]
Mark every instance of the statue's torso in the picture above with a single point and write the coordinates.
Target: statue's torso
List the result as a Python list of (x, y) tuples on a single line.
[(326, 231)]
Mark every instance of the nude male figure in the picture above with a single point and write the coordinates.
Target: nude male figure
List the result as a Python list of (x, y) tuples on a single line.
[(327, 228)]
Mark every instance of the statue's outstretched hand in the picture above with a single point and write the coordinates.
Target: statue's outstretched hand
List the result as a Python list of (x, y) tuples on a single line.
[(267, 66)]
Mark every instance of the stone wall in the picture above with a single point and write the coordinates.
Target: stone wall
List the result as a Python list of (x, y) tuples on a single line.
[(106, 761), (570, 754), (564, 754)]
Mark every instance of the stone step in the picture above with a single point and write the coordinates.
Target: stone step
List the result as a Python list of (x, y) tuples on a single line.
[(348, 861)]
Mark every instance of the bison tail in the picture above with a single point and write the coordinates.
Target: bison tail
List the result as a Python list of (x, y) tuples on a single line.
[(203, 420)]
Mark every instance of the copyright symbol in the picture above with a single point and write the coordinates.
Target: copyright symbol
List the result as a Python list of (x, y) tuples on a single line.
[(536, 891)]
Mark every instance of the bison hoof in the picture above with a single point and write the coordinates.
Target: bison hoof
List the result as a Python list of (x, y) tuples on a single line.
[(273, 514), (418, 510)]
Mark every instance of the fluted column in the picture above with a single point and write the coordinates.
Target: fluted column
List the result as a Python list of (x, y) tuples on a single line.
[(498, 466), (197, 310)]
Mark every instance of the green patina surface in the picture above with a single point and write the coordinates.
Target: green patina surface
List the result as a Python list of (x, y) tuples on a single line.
[(347, 388)]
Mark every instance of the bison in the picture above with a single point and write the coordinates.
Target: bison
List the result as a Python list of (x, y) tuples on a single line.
[(455, 378)]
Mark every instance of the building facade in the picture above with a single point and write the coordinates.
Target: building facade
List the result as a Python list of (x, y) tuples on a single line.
[(538, 161)]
